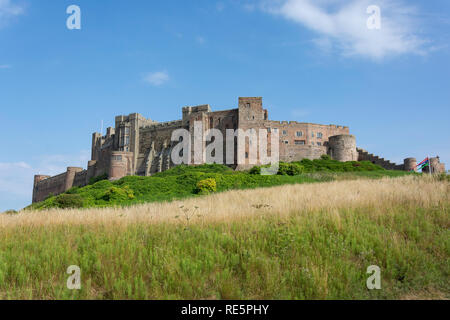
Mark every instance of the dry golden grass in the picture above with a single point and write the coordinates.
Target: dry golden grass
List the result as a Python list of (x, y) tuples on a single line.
[(230, 206), (305, 241)]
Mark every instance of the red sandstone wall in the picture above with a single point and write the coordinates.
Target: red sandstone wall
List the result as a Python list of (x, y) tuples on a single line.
[(54, 185)]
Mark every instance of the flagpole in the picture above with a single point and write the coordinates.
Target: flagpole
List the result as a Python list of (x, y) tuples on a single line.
[(429, 164)]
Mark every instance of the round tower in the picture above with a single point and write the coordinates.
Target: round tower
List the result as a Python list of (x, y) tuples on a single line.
[(343, 148), (70, 177), (120, 165), (410, 164)]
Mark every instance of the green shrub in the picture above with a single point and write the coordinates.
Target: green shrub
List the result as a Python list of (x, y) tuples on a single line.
[(66, 201), (290, 169), (255, 170), (117, 194), (206, 186), (325, 157), (94, 180), (73, 190)]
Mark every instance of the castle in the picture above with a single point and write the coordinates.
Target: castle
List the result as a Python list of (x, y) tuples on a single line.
[(140, 146)]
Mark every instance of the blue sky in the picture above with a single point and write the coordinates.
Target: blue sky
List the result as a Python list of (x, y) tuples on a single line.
[(312, 61)]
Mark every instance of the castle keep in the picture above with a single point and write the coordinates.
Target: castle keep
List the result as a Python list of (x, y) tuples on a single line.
[(140, 146)]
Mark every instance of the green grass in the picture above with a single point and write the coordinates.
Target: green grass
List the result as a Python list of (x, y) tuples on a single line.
[(181, 182), (306, 255)]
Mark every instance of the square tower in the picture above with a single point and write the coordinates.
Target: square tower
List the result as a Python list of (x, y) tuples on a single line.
[(251, 110)]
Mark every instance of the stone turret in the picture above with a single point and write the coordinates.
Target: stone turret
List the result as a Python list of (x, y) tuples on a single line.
[(343, 148), (70, 177), (410, 164)]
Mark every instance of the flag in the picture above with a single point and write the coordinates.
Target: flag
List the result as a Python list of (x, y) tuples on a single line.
[(423, 164)]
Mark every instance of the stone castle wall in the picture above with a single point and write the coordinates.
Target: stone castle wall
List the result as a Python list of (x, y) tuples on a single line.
[(45, 185)]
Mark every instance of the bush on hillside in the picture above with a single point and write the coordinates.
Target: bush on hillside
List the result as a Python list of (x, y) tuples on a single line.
[(73, 190), (94, 180), (116, 194), (255, 170), (206, 186), (68, 201), (290, 169)]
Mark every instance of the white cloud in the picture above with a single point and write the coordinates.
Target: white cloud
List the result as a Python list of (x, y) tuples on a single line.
[(5, 66), (342, 25), (157, 78), (7, 10)]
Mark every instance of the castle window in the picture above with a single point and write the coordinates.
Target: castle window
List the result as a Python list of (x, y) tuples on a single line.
[(319, 135), (299, 142), (319, 143), (312, 134), (248, 105), (269, 130), (299, 133), (246, 155), (286, 142), (127, 130), (284, 132), (211, 123), (127, 140)]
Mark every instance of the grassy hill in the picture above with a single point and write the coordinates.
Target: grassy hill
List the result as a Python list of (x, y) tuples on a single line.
[(294, 241), (183, 181)]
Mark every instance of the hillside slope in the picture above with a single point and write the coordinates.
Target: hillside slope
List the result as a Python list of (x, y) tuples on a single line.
[(303, 241)]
